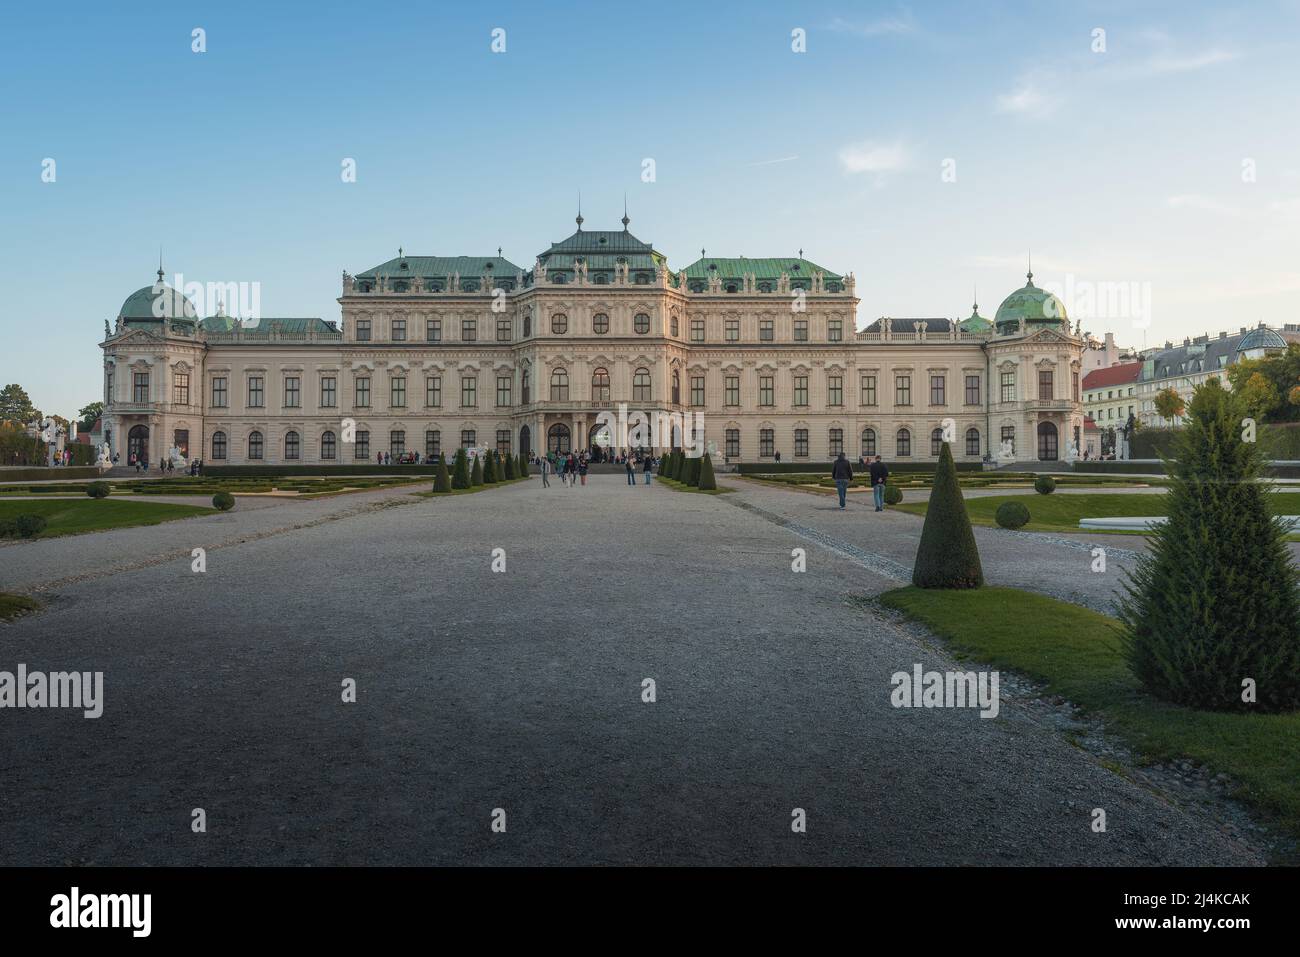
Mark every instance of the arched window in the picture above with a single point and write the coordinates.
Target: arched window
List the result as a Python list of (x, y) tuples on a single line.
[(255, 445), (292, 446), (936, 442), (677, 387), (868, 441), (219, 446), (600, 385), (903, 443), (559, 323), (328, 448), (559, 386), (641, 323), (674, 324), (525, 389), (600, 323), (557, 439), (972, 441), (641, 385), (528, 325)]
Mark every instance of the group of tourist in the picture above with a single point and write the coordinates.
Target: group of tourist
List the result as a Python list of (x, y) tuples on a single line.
[(842, 473), (570, 467)]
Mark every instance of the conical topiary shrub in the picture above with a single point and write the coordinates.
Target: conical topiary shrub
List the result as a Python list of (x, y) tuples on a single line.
[(489, 469), (509, 465), (676, 472), (692, 471), (706, 480), (1212, 611), (947, 556), (441, 480), (476, 473), (460, 470), (523, 465)]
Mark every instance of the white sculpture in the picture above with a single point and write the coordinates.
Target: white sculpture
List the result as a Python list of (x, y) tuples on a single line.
[(104, 457), (177, 459), (1006, 452), (1071, 454)]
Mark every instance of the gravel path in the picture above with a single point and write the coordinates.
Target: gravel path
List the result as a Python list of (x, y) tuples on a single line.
[(522, 690)]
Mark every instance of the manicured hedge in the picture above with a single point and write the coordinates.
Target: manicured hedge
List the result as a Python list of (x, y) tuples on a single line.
[(227, 471), (771, 468), (35, 474)]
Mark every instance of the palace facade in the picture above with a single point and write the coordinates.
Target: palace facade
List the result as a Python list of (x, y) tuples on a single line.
[(439, 352)]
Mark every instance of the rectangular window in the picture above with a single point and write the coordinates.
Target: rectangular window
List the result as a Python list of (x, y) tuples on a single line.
[(361, 450), (468, 330), (972, 390), (363, 330), (834, 390), (697, 390), (181, 388), (1008, 383), (733, 443), (362, 392), (733, 330), (220, 396), (433, 330), (834, 330), (328, 391), (1009, 438), (433, 391), (732, 390), (503, 390), (1044, 385), (468, 392), (396, 442), (697, 330), (432, 443), (801, 330), (801, 390), (938, 390), (801, 443), (766, 330), (868, 383), (468, 438), (108, 387), (1074, 386), (766, 394), (503, 442), (397, 392), (292, 392), (766, 443), (837, 442), (503, 330), (256, 392), (903, 390), (399, 330)]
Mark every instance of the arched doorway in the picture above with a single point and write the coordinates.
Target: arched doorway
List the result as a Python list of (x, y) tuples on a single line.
[(557, 439), (137, 443), (525, 441), (1047, 442), (599, 440)]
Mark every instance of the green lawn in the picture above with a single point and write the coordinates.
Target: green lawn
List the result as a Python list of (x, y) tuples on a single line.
[(75, 516), (1075, 652), (1061, 513), (11, 606), (683, 487)]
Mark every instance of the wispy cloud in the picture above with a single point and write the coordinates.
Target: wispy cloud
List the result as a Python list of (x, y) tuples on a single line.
[(1163, 63), (1029, 97), (1205, 204), (773, 162), (900, 23), (875, 158)]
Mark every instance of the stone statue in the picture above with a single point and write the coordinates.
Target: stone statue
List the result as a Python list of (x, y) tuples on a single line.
[(103, 457), (176, 458), (1071, 453), (1006, 452)]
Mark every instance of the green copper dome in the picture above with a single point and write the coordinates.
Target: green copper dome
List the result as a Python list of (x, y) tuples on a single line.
[(975, 323), (141, 303), (1031, 304)]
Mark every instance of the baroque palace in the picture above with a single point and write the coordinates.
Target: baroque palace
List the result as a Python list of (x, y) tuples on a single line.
[(440, 352)]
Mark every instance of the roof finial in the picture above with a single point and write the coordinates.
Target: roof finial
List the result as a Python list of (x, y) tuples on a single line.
[(976, 294), (1030, 275), (578, 220), (160, 268), (701, 252), (625, 219), (498, 252), (400, 254)]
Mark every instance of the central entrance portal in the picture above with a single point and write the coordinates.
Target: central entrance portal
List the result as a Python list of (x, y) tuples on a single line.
[(557, 439), (137, 443)]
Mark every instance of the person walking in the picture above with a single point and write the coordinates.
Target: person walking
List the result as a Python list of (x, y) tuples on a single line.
[(842, 472), (582, 467), (649, 464), (627, 466), (546, 473), (879, 474), (573, 470)]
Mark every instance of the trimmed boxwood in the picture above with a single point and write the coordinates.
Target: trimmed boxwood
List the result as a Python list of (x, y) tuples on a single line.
[(522, 466), (1012, 515), (706, 480), (460, 470), (893, 494), (22, 526), (279, 471), (476, 473), (1044, 485), (223, 501), (947, 556), (441, 480), (98, 489)]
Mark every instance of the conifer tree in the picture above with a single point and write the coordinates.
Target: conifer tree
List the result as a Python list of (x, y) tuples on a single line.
[(441, 480), (706, 480), (489, 468), (476, 473), (460, 470), (947, 556)]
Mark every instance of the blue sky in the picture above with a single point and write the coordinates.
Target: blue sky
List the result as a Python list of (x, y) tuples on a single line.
[(1123, 166)]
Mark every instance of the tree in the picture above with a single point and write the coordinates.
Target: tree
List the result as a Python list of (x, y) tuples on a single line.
[(441, 480), (489, 468), (87, 416), (947, 556), (1259, 396), (1212, 611), (523, 466), (16, 405), (707, 481), (509, 467), (1169, 404), (1282, 369), (460, 471), (691, 475), (476, 473)]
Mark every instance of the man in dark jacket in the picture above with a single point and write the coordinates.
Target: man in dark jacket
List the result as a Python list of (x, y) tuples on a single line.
[(879, 474), (842, 472)]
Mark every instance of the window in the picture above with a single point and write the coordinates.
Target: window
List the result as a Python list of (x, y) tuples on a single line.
[(328, 446), (397, 392), (363, 330), (600, 385), (972, 441), (766, 443), (836, 441), (697, 390), (399, 330), (936, 442), (801, 330), (468, 330), (697, 330), (1044, 385), (733, 330), (525, 390), (396, 442), (220, 397), (256, 392), (503, 330), (468, 438), (903, 390), (433, 391), (503, 390), (108, 386), (674, 326), (801, 390), (677, 388), (433, 330), (219, 446), (255, 446), (1009, 439), (559, 386), (801, 443), (766, 330), (362, 390), (903, 443), (292, 446), (835, 390), (766, 394), (503, 441), (732, 383), (938, 390), (361, 448), (868, 441), (972, 390), (733, 443), (181, 388), (468, 391), (641, 385), (1008, 383), (328, 390), (868, 383), (834, 330), (1074, 386), (600, 323), (432, 443), (528, 325), (641, 323), (559, 323)]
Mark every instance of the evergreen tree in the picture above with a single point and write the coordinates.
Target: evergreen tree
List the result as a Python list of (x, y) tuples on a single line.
[(523, 466), (675, 470), (490, 468), (691, 474), (460, 470), (441, 480), (706, 480), (476, 473), (1212, 611), (947, 556), (509, 466)]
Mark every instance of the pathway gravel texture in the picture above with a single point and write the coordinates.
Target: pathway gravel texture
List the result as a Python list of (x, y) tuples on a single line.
[(522, 690)]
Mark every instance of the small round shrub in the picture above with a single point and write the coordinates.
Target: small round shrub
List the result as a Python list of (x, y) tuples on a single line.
[(223, 501), (1012, 514), (28, 526), (1044, 485), (98, 490), (893, 494)]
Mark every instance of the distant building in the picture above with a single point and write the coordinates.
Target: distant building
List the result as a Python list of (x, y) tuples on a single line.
[(1109, 398)]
